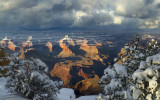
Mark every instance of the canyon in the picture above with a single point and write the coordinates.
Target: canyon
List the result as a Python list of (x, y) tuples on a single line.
[(83, 69), (79, 63)]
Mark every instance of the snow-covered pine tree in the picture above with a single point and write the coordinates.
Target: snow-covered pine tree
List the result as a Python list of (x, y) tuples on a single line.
[(29, 78), (117, 79), (135, 53), (146, 79), (152, 48)]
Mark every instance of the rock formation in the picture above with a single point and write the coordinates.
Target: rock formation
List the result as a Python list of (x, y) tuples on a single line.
[(28, 43), (91, 51), (66, 52), (11, 45), (122, 53), (49, 45), (69, 40), (8, 43), (97, 44), (62, 71), (81, 73), (81, 67), (88, 86), (22, 55), (3, 43)]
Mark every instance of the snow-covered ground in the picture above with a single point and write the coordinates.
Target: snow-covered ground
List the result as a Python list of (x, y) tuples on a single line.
[(12, 97), (3, 90), (92, 97), (68, 94), (64, 94)]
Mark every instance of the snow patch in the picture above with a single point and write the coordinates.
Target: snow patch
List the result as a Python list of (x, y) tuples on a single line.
[(93, 97), (121, 70), (66, 94)]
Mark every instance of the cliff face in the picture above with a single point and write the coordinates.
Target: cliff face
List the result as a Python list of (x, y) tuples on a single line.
[(122, 53), (69, 40), (88, 86), (22, 55), (3, 43), (49, 45), (28, 43), (81, 72), (11, 46), (91, 51), (66, 52), (62, 71)]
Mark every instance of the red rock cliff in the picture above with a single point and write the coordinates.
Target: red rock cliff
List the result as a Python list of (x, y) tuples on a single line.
[(11, 46), (66, 52)]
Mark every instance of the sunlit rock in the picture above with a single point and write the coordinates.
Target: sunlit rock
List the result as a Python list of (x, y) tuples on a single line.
[(91, 51), (62, 71), (3, 43), (66, 52), (88, 86), (8, 43), (11, 45), (22, 55), (28, 43), (97, 44), (81, 73), (49, 45)]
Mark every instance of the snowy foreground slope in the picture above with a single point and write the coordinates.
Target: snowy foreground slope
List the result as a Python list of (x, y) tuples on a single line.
[(64, 94), (3, 90), (12, 97), (68, 94)]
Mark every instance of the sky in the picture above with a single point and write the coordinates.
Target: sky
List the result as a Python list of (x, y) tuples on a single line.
[(79, 14)]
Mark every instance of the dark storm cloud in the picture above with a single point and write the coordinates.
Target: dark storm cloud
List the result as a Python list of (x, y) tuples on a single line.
[(55, 14), (158, 5)]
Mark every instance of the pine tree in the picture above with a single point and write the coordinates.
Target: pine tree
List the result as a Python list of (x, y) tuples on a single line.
[(117, 85), (29, 78), (146, 79), (135, 53), (115, 81)]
